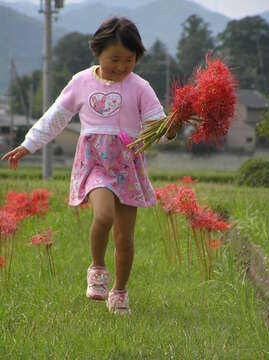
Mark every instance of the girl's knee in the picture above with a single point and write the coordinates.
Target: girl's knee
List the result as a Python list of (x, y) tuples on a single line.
[(104, 219)]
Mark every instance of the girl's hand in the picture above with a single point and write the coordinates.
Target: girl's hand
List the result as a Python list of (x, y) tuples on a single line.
[(15, 155), (173, 131)]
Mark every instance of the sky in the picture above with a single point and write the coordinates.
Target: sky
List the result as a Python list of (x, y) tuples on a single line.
[(233, 8), (236, 8)]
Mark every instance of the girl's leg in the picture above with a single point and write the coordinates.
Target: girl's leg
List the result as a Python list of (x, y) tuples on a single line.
[(103, 203), (123, 235)]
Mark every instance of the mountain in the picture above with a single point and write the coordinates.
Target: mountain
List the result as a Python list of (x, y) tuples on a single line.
[(265, 15), (31, 9), (24, 7), (21, 37), (159, 18)]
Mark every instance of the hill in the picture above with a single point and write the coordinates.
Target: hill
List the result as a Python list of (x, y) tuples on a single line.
[(159, 18), (21, 37), (265, 15)]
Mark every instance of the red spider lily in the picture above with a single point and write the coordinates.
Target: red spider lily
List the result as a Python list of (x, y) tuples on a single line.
[(205, 219), (8, 228), (17, 207), (215, 244), (17, 204), (177, 199), (41, 194), (201, 222), (166, 196), (40, 201), (187, 180), (215, 100), (8, 224), (182, 106), (43, 238), (2, 262), (186, 202), (23, 205), (207, 104)]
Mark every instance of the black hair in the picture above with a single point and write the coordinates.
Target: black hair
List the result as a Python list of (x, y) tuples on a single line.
[(117, 30)]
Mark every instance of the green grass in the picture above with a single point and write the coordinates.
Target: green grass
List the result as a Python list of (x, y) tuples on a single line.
[(174, 314), (63, 173)]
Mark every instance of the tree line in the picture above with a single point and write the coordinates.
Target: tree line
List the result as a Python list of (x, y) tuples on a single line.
[(243, 45)]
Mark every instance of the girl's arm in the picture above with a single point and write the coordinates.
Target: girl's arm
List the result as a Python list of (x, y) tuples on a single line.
[(14, 156), (151, 109), (43, 131), (47, 128)]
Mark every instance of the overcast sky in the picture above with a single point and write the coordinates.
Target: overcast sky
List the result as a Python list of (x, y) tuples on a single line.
[(232, 8), (236, 8)]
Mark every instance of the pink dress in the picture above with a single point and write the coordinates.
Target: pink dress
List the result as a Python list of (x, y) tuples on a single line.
[(105, 110), (104, 161)]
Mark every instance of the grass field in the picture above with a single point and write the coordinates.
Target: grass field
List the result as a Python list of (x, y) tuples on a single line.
[(174, 314)]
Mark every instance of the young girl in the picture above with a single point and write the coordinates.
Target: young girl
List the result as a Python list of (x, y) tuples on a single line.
[(112, 103)]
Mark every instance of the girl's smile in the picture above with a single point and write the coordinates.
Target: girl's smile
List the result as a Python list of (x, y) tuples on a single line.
[(116, 62)]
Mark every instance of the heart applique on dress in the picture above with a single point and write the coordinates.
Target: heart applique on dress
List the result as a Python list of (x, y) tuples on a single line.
[(105, 104)]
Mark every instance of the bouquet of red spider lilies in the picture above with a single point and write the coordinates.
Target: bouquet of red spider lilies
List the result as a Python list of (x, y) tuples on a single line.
[(207, 103)]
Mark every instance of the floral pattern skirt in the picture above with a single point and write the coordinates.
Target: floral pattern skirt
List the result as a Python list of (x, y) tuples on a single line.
[(103, 161)]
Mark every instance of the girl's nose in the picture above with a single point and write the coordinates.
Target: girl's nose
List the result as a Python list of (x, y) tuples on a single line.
[(121, 67)]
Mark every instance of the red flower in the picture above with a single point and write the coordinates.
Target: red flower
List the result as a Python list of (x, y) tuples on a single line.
[(43, 238), (1, 261), (183, 99), (7, 224), (206, 219), (177, 199), (215, 101), (41, 194), (186, 202), (214, 244), (23, 205), (187, 180), (166, 196)]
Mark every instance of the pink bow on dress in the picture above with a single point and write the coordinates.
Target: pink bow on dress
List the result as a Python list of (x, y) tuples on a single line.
[(125, 138)]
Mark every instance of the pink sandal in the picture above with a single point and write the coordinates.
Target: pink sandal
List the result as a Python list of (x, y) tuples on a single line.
[(118, 302), (98, 279)]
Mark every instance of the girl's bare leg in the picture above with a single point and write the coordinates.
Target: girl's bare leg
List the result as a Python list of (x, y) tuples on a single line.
[(103, 203), (123, 235)]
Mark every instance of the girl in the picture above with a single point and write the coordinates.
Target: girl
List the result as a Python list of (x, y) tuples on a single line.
[(112, 103)]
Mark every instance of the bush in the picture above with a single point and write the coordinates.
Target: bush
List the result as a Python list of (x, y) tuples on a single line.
[(254, 172), (200, 176)]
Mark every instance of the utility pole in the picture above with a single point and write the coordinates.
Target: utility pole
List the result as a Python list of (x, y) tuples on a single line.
[(167, 81), (47, 57), (47, 60), (30, 109), (11, 131)]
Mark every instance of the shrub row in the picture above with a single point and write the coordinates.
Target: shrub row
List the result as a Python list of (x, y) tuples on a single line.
[(253, 172)]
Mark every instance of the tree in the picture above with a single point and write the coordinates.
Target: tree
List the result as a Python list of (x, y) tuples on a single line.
[(71, 55), (263, 126), (159, 68), (246, 43), (195, 41), (22, 88)]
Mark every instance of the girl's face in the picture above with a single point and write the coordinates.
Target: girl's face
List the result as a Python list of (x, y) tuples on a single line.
[(116, 62)]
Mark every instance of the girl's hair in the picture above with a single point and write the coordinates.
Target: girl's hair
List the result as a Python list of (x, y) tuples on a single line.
[(117, 30)]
